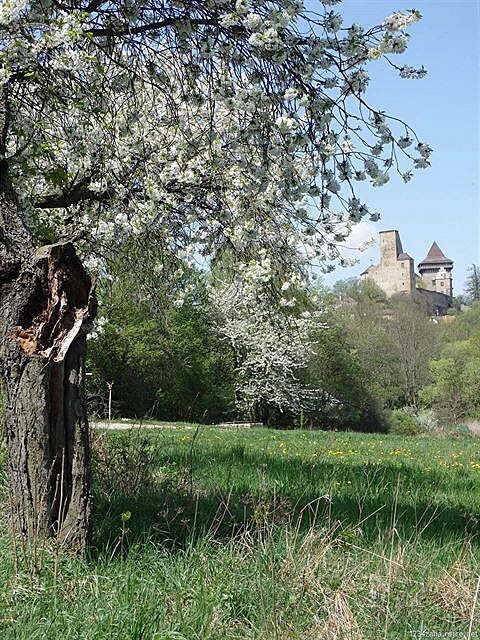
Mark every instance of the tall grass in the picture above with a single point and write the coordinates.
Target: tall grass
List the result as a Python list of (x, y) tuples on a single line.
[(264, 535)]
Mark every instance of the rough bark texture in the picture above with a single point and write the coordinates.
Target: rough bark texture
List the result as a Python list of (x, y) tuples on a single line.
[(46, 304)]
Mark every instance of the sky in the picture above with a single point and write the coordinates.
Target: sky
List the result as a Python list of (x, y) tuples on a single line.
[(441, 203)]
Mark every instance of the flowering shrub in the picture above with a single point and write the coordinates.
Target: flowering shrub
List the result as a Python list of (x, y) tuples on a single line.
[(271, 349)]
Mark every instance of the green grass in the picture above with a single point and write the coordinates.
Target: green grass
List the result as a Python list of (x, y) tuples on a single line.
[(262, 534)]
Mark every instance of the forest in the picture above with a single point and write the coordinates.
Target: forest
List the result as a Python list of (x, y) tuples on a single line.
[(372, 363)]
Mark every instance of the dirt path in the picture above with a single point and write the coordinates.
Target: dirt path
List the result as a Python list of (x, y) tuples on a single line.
[(125, 426), (474, 426)]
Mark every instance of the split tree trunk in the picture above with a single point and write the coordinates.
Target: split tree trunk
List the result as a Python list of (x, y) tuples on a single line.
[(46, 304)]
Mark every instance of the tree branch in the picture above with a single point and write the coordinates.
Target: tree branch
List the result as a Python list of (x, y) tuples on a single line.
[(152, 26), (78, 194)]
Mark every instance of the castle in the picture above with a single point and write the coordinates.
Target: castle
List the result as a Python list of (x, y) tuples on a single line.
[(396, 273)]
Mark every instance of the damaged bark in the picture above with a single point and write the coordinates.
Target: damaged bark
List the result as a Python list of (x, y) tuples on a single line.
[(46, 305), (47, 430), (45, 312)]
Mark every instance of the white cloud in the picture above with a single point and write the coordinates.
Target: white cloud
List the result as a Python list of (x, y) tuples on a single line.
[(358, 252), (362, 243)]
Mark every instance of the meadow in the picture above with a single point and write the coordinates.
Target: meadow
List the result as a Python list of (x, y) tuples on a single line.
[(233, 534)]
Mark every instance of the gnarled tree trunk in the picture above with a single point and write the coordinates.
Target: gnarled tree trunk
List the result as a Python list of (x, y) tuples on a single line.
[(46, 303)]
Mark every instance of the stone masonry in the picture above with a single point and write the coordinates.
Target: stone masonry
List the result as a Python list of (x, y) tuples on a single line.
[(396, 273)]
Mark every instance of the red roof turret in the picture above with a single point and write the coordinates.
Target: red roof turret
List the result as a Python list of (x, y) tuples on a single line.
[(435, 256)]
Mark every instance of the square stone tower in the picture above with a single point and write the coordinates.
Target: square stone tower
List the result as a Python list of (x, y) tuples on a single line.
[(396, 272)]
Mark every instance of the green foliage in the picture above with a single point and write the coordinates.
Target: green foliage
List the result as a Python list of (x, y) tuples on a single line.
[(345, 399), (455, 392), (403, 423), (370, 337), (413, 342), (464, 326), (472, 286), (427, 420), (391, 342), (171, 365), (371, 356), (362, 291)]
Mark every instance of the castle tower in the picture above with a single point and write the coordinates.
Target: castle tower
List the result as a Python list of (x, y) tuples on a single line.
[(395, 273), (436, 271), (390, 248)]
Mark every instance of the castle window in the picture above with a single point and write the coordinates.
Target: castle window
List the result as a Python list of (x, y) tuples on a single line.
[(441, 284), (402, 265)]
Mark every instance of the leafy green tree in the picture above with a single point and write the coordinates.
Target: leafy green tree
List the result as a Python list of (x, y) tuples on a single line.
[(370, 337), (413, 336), (392, 339), (170, 365), (454, 392), (344, 398), (472, 286), (363, 292)]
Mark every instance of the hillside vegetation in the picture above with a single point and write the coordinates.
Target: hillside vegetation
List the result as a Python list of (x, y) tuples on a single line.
[(369, 356)]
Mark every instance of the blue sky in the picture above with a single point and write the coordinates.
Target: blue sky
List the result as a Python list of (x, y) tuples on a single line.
[(441, 203)]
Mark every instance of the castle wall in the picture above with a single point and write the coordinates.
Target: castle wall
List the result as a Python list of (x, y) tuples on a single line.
[(437, 302), (398, 278), (396, 273)]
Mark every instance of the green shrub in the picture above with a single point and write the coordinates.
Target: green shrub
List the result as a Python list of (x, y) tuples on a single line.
[(427, 420), (404, 423), (455, 430)]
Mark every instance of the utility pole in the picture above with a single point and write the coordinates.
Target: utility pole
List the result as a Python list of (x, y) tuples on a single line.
[(109, 385)]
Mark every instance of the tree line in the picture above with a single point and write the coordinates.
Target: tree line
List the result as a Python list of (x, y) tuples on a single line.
[(370, 357)]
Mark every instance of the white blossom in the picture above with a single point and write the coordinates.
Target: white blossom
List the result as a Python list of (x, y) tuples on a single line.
[(404, 142), (380, 179), (400, 21), (228, 20), (347, 145), (271, 349), (241, 6), (252, 21), (333, 21), (10, 10)]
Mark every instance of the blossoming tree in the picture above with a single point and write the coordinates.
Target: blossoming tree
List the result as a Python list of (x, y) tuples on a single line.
[(213, 127)]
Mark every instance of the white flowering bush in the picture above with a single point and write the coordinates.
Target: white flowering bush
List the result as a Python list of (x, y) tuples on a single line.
[(271, 349)]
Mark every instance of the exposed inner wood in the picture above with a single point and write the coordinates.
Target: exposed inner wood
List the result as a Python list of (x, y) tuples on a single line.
[(64, 307)]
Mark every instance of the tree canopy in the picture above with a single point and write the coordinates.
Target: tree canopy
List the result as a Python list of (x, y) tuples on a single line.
[(472, 286), (208, 126)]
